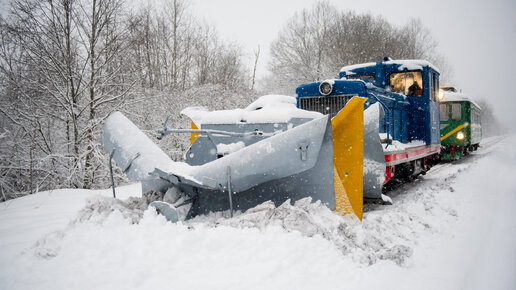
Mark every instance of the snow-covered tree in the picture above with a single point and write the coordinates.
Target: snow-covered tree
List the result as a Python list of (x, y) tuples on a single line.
[(65, 65), (62, 83)]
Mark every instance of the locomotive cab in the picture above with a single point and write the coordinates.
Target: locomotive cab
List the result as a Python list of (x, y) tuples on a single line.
[(408, 123), (417, 82)]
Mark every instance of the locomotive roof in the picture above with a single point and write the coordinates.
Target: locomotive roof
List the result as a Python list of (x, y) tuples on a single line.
[(409, 64), (450, 96)]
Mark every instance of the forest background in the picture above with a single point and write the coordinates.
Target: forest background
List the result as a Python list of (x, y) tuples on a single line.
[(65, 65)]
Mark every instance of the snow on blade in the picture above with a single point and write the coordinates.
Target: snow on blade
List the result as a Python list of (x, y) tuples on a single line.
[(229, 148), (266, 109), (195, 114), (134, 152)]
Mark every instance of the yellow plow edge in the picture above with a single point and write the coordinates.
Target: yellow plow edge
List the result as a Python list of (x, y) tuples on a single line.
[(348, 157), (193, 136)]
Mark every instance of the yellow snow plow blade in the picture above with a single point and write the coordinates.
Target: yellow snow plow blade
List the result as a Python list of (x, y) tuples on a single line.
[(193, 136), (348, 157)]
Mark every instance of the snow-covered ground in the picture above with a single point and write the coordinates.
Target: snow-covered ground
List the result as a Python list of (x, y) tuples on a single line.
[(454, 228)]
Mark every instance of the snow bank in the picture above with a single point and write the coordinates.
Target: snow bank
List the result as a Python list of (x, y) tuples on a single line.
[(314, 219), (452, 229), (114, 253), (26, 219)]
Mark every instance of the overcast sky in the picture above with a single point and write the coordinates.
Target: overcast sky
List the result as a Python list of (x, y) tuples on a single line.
[(478, 38)]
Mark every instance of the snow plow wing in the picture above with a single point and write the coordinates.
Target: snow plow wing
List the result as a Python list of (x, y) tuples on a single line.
[(240, 164)]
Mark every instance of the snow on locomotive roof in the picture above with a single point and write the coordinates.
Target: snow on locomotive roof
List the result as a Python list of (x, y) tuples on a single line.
[(348, 69), (409, 64), (450, 96), (266, 109)]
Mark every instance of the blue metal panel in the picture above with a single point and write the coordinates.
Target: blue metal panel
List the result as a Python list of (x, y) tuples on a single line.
[(405, 125), (340, 87), (311, 89), (406, 118), (381, 80), (434, 113), (400, 126), (395, 106)]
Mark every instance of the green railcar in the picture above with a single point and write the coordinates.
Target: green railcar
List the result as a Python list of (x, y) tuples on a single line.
[(461, 125)]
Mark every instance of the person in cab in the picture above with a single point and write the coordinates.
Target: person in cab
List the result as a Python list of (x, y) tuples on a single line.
[(415, 90)]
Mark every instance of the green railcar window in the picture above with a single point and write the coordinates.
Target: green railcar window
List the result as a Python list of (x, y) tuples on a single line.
[(456, 112), (444, 114)]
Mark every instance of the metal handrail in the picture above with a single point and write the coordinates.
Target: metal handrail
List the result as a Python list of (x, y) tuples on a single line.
[(209, 132)]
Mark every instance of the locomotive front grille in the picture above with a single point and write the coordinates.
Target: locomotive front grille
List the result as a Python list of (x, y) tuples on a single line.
[(330, 105)]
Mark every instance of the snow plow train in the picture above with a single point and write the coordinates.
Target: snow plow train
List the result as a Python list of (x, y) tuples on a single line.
[(338, 142)]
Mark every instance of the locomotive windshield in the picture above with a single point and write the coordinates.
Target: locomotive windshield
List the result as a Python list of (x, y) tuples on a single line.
[(407, 83)]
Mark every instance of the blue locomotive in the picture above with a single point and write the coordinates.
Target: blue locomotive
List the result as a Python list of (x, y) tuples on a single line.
[(407, 91)]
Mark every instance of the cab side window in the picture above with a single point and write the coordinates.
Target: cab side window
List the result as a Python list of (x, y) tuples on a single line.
[(434, 92)]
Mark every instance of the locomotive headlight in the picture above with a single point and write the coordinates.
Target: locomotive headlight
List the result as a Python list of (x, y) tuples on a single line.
[(460, 136), (325, 88), (441, 95)]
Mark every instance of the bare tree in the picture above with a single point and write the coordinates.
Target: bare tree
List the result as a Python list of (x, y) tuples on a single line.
[(66, 64), (316, 43), (101, 37), (175, 12), (61, 83), (298, 52), (228, 70), (256, 56), (47, 85)]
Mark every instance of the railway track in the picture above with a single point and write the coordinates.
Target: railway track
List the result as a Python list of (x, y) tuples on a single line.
[(450, 169)]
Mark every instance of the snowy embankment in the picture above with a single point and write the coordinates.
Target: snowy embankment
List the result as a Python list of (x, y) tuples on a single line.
[(454, 228)]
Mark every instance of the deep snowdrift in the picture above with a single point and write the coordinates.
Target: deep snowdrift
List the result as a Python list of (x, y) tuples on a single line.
[(455, 228)]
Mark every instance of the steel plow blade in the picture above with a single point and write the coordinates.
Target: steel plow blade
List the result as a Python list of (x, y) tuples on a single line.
[(374, 157), (319, 158)]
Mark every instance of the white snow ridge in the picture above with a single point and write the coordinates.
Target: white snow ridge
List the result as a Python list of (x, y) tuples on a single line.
[(451, 229), (315, 219)]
